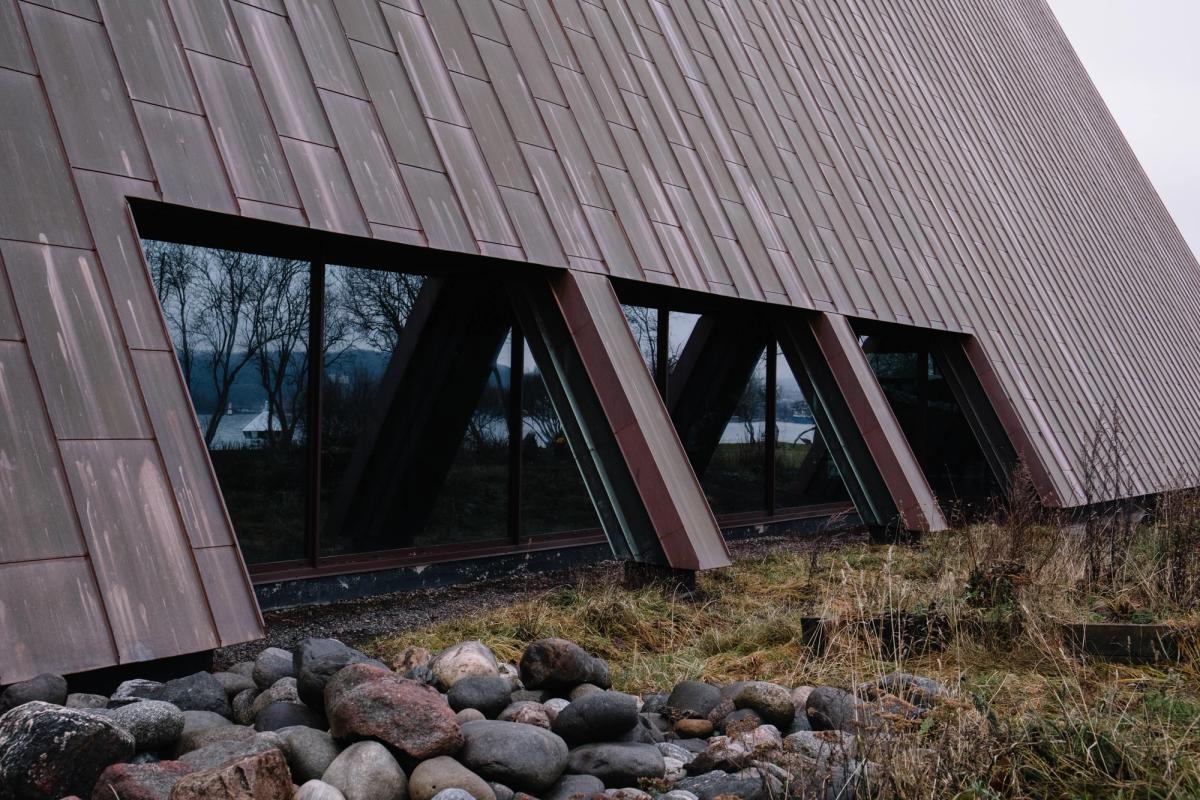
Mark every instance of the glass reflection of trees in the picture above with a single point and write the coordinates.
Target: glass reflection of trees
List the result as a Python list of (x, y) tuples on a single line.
[(239, 323), (554, 497), (240, 326), (365, 313), (734, 480)]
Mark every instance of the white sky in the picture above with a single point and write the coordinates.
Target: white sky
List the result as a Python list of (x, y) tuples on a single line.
[(1144, 56)]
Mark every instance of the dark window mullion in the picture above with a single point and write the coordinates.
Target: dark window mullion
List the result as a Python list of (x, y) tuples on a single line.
[(662, 347), (770, 430), (316, 364), (516, 403)]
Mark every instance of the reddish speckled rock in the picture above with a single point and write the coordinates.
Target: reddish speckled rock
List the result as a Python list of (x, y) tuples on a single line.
[(368, 702), (263, 776)]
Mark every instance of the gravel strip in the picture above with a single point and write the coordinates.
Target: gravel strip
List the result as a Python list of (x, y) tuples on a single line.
[(356, 622)]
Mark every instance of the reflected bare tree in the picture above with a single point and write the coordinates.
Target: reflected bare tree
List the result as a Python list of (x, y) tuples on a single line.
[(230, 320), (174, 269), (283, 346), (376, 304)]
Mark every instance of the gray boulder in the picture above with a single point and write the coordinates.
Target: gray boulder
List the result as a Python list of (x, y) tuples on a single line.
[(771, 701), (309, 752), (286, 715), (233, 683), (453, 794), (316, 661), (367, 771), (525, 757), (193, 738), (488, 694), (644, 731), (559, 665), (218, 753), (283, 690), (133, 690), (243, 706), (45, 688), (617, 764), (569, 786), (154, 724), (198, 692), (271, 665), (693, 699), (747, 784), (596, 717), (463, 660), (82, 700), (243, 668), (50, 751), (317, 790), (432, 777)]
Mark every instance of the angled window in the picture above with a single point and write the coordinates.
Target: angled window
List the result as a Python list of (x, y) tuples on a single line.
[(554, 498), (240, 324)]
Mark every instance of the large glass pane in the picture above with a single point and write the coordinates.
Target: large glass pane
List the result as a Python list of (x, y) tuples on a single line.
[(804, 472), (933, 423), (734, 478), (239, 323), (365, 313), (472, 505), (553, 495)]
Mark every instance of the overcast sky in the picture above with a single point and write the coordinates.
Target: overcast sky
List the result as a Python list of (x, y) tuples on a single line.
[(1144, 56)]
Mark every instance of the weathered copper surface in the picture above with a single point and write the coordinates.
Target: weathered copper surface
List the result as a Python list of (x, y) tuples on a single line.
[(940, 164), (638, 417)]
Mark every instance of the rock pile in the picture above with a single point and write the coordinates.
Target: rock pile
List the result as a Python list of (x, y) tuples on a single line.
[(326, 722)]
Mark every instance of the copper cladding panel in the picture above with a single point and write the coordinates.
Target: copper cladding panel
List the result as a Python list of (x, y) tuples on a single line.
[(668, 487), (31, 468), (51, 619), (146, 571)]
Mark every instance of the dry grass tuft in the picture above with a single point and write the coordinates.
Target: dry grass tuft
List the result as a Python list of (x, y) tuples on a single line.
[(1027, 719)]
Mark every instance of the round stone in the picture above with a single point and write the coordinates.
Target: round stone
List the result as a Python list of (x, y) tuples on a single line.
[(309, 751), (559, 664), (317, 790), (318, 660), (367, 771), (368, 702), (569, 786), (45, 688), (488, 694), (154, 724), (438, 774), (771, 701), (619, 764), (527, 712), (286, 715), (525, 757), (463, 660), (233, 683), (596, 717), (693, 728), (693, 698), (50, 751), (271, 665)]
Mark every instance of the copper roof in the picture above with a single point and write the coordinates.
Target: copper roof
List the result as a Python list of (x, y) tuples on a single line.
[(936, 163)]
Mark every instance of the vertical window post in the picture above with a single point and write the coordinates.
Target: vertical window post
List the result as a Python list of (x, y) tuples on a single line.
[(316, 367), (662, 351), (516, 381), (770, 433)]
